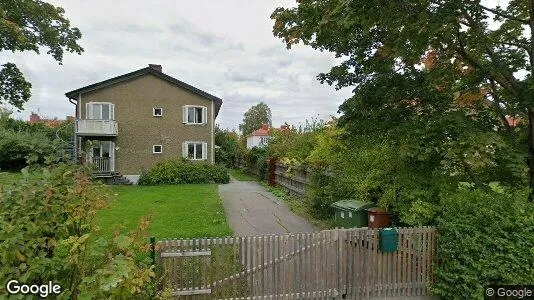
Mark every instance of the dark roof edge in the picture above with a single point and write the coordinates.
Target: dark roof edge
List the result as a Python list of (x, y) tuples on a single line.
[(74, 94)]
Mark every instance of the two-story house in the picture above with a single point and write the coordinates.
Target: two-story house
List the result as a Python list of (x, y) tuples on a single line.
[(126, 124)]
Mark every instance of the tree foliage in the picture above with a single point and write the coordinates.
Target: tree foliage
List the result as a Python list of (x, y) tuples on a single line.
[(22, 143), (475, 252), (31, 25), (230, 148), (479, 57), (48, 233), (255, 117)]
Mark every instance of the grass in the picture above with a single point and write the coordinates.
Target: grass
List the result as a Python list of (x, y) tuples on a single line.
[(240, 175), (177, 211)]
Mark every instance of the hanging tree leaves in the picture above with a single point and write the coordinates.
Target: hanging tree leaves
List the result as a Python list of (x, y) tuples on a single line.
[(31, 25), (480, 57)]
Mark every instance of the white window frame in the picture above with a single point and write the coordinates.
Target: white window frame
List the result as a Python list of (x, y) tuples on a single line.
[(186, 115), (185, 150), (154, 149), (264, 140), (89, 110), (154, 112)]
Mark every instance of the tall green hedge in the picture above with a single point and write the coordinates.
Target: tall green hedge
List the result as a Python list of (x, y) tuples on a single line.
[(180, 171), (485, 237)]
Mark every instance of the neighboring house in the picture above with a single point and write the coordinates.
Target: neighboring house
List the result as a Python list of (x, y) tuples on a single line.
[(52, 123), (258, 138), (126, 124)]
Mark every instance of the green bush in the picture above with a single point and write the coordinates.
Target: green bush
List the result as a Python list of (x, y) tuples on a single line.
[(256, 162), (485, 237), (17, 148), (47, 233), (180, 171)]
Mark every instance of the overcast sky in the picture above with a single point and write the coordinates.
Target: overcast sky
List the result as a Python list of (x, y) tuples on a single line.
[(225, 48)]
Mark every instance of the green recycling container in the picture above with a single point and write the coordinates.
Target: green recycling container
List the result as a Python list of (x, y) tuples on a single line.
[(351, 213), (388, 239)]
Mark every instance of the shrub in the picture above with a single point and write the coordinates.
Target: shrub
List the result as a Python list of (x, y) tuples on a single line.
[(47, 233), (180, 171), (17, 148), (256, 162), (229, 147), (485, 237)]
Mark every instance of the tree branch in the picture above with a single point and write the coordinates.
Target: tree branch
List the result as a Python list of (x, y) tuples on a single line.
[(475, 64), (504, 15), (497, 105)]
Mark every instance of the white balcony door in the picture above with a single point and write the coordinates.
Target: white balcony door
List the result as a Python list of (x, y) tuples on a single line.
[(100, 111), (103, 154)]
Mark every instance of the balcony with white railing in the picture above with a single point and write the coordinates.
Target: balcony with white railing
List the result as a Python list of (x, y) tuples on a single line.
[(96, 127)]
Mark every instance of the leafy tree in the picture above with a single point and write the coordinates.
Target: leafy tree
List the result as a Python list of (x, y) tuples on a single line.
[(480, 56), (255, 117), (31, 25), (230, 147)]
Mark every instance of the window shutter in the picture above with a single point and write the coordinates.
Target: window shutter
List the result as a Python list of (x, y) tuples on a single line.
[(88, 114), (205, 115), (204, 150), (184, 114), (112, 111), (184, 150)]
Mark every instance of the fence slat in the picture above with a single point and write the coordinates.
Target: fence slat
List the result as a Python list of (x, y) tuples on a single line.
[(323, 264)]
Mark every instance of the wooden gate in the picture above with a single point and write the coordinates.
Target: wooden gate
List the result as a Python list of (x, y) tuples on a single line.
[(328, 264)]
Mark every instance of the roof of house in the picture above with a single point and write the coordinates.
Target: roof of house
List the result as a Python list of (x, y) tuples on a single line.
[(148, 70), (263, 131)]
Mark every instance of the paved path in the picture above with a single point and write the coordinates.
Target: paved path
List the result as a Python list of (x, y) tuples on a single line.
[(251, 210)]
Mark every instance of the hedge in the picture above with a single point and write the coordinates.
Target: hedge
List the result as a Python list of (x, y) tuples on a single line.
[(180, 171)]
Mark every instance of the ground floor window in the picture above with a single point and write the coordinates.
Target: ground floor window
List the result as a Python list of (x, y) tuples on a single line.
[(195, 150)]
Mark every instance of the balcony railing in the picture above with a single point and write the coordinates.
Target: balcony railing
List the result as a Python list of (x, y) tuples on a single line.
[(102, 164), (96, 127)]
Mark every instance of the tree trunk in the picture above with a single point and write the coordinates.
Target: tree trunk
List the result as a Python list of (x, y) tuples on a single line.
[(530, 158)]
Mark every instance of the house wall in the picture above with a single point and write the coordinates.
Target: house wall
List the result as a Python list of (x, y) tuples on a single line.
[(254, 141), (139, 130)]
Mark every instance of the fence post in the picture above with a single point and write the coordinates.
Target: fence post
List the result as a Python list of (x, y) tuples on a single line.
[(153, 261)]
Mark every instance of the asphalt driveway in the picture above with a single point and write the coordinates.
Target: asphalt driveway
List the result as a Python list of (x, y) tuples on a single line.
[(251, 210)]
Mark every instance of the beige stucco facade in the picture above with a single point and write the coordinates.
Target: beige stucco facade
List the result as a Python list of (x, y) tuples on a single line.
[(138, 130)]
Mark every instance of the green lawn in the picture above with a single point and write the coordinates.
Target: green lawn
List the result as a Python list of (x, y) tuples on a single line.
[(240, 175), (178, 211)]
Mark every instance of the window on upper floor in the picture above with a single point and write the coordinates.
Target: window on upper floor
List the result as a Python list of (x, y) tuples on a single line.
[(157, 149), (195, 150), (157, 112), (100, 111), (195, 114)]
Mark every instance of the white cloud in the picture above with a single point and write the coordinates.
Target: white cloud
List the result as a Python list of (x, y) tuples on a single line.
[(223, 47)]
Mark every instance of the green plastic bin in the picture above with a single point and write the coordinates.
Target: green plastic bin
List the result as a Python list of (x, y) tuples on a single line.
[(388, 239), (351, 213)]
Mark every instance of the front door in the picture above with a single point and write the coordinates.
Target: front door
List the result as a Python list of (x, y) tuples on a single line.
[(102, 155)]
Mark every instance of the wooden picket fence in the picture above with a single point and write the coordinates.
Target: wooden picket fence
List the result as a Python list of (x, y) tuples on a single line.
[(295, 180), (328, 264)]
